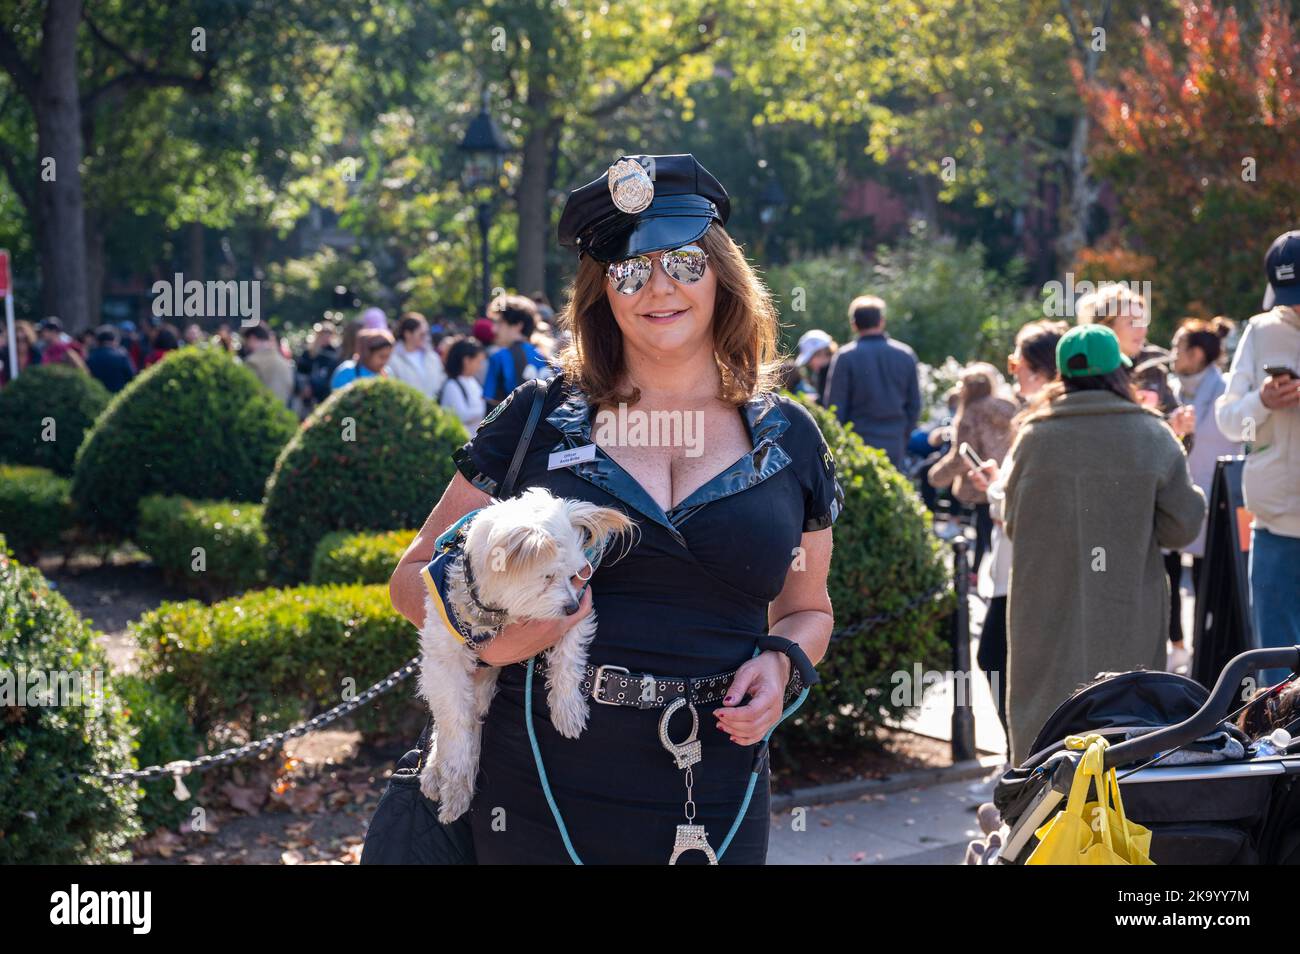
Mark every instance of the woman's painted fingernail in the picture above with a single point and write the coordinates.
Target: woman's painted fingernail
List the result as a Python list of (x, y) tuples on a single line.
[(728, 699)]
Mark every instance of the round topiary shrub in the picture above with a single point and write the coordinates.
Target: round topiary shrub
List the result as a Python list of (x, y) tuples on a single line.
[(61, 723), (375, 456), (197, 424), (45, 413), (887, 563)]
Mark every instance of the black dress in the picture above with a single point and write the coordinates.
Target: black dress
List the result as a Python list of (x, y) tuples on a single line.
[(689, 599)]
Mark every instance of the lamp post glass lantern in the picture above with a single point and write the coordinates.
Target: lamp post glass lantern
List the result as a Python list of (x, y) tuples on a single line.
[(485, 150)]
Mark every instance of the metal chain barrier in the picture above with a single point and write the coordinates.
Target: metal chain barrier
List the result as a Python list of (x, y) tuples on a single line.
[(180, 768), (871, 622)]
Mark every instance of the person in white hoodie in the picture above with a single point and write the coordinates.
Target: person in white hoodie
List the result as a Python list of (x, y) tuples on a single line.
[(414, 359), (1261, 407)]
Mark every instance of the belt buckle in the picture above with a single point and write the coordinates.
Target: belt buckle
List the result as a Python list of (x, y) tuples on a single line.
[(598, 686)]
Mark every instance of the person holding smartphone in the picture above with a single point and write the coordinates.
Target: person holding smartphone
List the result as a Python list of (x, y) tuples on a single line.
[(1261, 407), (1033, 365), (981, 431)]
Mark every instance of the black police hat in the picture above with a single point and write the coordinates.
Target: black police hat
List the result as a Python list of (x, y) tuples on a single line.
[(643, 204)]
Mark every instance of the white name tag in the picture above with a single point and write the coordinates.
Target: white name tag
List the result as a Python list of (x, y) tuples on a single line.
[(570, 456)]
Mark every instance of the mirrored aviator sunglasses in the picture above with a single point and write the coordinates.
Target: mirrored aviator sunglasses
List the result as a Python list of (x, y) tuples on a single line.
[(684, 265)]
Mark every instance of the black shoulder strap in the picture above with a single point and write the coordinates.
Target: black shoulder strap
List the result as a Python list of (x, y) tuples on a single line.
[(525, 438)]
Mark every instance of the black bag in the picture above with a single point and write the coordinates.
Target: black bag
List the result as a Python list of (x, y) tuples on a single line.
[(405, 829)]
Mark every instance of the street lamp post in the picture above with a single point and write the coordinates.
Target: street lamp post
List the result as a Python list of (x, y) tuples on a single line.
[(485, 149), (771, 204)]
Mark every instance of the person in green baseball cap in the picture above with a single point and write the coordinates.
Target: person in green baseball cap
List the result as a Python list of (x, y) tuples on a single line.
[(1095, 487), (1089, 350)]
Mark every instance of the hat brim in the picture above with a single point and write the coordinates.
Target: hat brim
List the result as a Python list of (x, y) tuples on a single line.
[(669, 222), (652, 235), (1285, 295)]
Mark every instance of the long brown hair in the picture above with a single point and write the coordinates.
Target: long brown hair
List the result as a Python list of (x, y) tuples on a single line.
[(1116, 382), (744, 329)]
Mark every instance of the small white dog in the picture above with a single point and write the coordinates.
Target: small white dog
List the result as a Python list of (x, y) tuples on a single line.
[(521, 554)]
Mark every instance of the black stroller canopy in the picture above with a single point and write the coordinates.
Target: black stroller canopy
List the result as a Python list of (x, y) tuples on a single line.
[(1127, 700)]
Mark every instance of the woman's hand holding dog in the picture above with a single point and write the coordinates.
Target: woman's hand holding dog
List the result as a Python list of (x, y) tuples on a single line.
[(520, 641)]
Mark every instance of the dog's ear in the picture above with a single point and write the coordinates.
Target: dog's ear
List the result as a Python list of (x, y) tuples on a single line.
[(599, 523), (520, 546)]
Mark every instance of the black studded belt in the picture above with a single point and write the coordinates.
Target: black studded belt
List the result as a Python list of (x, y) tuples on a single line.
[(618, 686)]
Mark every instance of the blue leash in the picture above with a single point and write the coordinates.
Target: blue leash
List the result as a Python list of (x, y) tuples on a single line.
[(546, 785)]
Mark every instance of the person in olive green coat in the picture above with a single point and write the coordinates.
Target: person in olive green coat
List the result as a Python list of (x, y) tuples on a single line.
[(1096, 485)]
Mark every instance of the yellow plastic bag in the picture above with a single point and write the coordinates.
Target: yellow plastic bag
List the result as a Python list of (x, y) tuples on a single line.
[(1092, 833)]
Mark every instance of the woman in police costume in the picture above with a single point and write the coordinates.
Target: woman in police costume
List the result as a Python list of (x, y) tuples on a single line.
[(721, 599)]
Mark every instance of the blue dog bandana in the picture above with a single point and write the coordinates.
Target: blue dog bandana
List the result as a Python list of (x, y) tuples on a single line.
[(449, 547)]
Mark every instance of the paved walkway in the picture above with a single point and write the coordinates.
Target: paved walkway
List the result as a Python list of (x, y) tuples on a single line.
[(921, 826)]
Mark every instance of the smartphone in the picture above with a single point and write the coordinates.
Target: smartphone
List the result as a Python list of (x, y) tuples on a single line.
[(970, 456), (1277, 370)]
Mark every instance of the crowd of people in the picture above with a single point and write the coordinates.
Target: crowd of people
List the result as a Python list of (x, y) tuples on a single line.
[(468, 371), (1086, 476)]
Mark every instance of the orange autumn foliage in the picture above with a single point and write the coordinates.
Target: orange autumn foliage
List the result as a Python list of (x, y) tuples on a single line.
[(1201, 147)]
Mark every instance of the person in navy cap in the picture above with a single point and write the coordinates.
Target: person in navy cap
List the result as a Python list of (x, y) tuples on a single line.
[(1260, 405), (667, 408)]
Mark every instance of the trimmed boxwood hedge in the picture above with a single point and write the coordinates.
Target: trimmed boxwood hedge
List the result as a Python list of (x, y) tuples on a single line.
[(52, 811), (375, 456), (264, 661), (197, 424), (230, 535), (343, 557), (68, 397), (34, 509), (885, 557)]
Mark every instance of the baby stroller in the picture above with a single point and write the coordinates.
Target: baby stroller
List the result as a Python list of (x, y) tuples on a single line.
[(1184, 773)]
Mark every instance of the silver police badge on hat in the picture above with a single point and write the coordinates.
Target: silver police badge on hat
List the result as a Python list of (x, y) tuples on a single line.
[(630, 186)]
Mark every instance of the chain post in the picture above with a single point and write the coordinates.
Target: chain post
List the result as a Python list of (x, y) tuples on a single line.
[(963, 714)]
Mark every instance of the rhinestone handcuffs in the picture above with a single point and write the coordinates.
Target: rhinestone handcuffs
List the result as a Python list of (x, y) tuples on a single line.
[(690, 836)]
